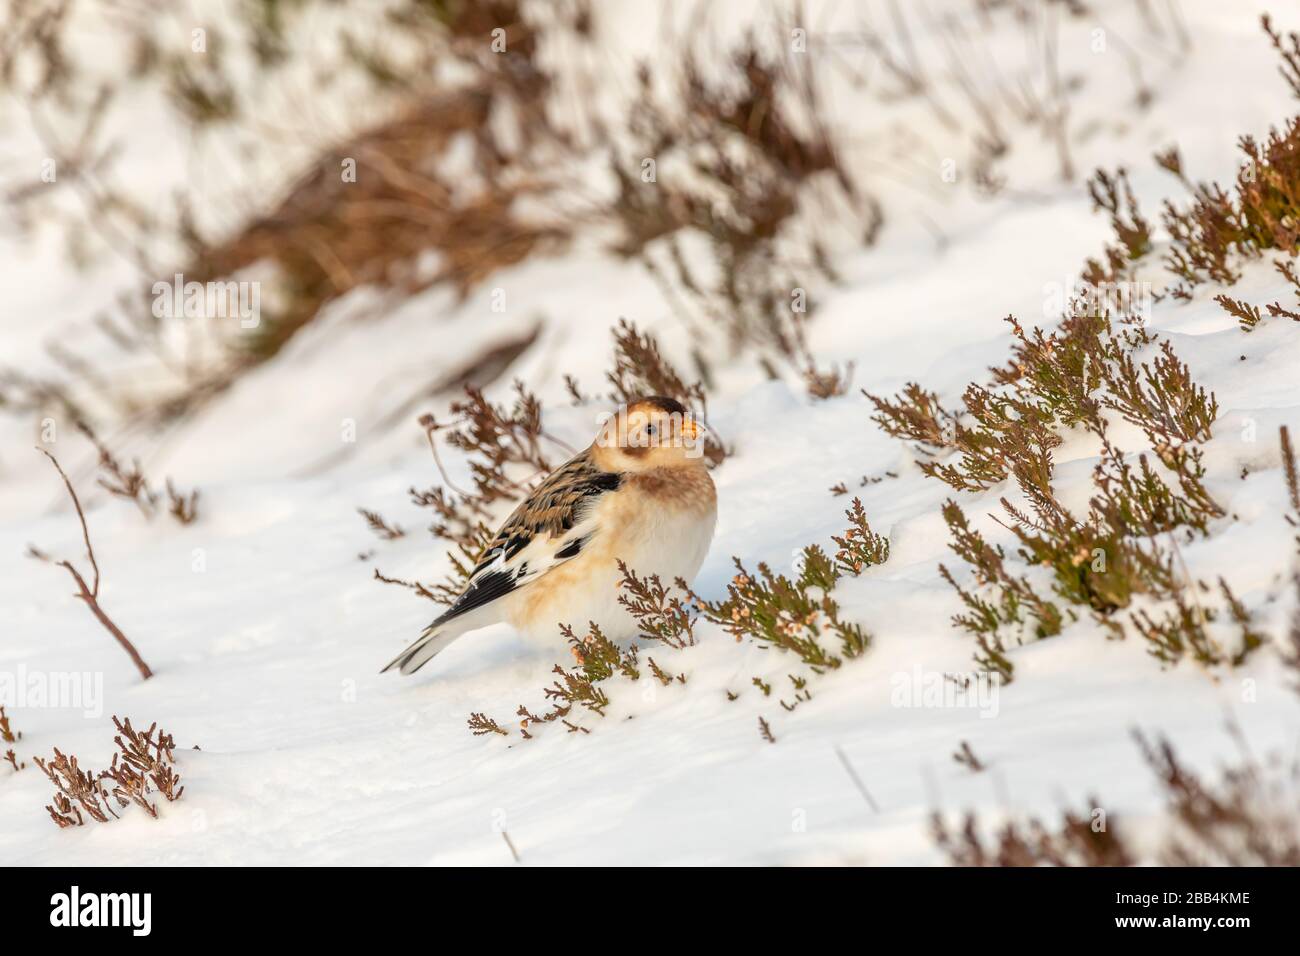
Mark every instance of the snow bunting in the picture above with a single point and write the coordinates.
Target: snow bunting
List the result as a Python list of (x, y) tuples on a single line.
[(641, 494)]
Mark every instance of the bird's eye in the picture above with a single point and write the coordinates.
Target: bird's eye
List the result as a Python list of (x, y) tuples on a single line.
[(650, 430)]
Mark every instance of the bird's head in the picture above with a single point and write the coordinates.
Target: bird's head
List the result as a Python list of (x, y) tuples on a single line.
[(649, 433)]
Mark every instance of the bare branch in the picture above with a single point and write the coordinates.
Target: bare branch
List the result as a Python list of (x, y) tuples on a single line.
[(90, 593)]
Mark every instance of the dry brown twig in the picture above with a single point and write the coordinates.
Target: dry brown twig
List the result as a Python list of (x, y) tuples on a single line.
[(7, 733), (132, 484), (10, 736), (1288, 48), (376, 523), (965, 756), (90, 592), (1289, 469), (129, 483), (480, 724), (1292, 476), (415, 586), (184, 508)]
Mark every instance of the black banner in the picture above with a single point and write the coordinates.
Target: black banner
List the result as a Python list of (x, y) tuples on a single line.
[(332, 905)]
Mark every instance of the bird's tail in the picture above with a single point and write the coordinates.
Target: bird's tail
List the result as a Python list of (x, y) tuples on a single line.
[(437, 636)]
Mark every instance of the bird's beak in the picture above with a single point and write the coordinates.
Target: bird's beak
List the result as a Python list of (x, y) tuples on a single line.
[(690, 430)]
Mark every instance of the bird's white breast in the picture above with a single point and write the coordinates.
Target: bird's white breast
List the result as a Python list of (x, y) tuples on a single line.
[(656, 524)]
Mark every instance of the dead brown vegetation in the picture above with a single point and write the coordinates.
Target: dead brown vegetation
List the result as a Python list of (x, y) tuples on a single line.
[(89, 592), (10, 736), (144, 764), (1247, 818), (147, 764), (131, 484), (725, 162)]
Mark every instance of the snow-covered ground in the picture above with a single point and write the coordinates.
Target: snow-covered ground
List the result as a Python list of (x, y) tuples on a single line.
[(266, 631)]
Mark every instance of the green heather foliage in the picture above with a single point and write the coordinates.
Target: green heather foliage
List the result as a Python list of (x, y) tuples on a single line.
[(1261, 213), (1079, 377), (1015, 604), (859, 547), (1182, 629), (661, 614), (597, 660), (1219, 227), (1050, 382), (916, 416), (1113, 195), (798, 614), (795, 615), (1249, 316)]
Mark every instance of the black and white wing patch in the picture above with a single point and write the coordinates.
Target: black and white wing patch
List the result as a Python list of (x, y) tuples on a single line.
[(551, 527)]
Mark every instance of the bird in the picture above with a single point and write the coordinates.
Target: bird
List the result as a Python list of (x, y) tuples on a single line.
[(640, 493)]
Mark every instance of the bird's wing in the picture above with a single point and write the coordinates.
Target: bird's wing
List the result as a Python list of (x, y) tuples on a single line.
[(551, 527)]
